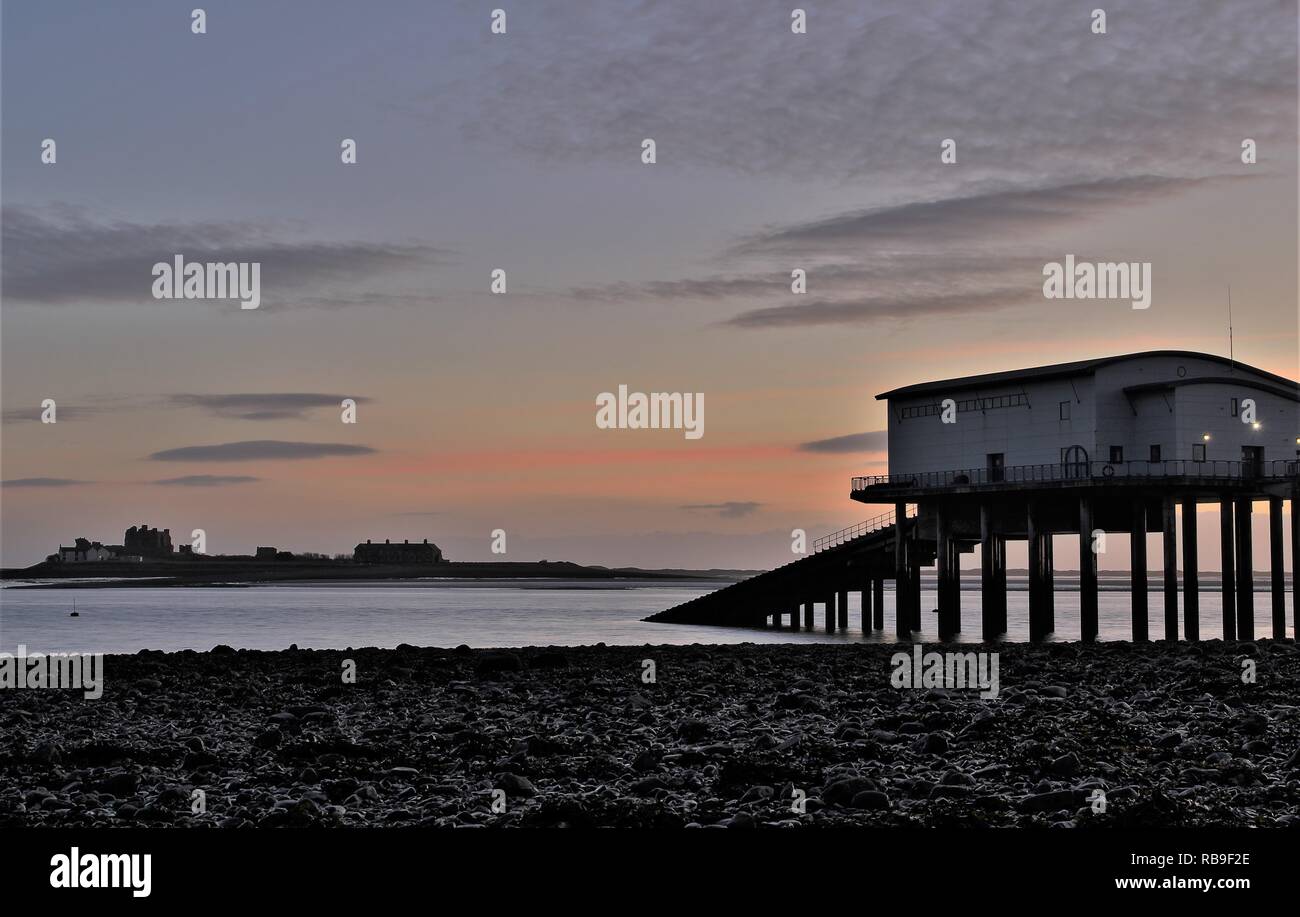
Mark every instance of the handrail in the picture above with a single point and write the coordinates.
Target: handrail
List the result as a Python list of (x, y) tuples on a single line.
[(1084, 471), (876, 524)]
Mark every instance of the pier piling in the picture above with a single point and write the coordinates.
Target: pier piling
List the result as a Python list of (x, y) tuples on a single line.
[(1138, 572), (1037, 587), (988, 552), (1087, 574), (943, 564), (1227, 576), (1168, 526), (1191, 584), (1245, 573), (1295, 565), (1276, 573)]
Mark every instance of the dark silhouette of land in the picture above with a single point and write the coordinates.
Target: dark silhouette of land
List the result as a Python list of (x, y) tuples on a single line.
[(239, 570)]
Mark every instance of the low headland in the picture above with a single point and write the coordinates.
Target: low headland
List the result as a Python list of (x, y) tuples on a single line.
[(215, 571)]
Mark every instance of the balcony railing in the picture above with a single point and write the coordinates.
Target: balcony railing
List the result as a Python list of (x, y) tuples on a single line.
[(1086, 471), (884, 520)]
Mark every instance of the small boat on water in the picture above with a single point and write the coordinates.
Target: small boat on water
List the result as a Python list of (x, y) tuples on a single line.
[(75, 613)]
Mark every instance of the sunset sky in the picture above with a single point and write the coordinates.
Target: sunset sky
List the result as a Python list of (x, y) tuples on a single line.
[(522, 152)]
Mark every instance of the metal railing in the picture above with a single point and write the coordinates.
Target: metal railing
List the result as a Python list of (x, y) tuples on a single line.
[(1086, 471), (883, 521)]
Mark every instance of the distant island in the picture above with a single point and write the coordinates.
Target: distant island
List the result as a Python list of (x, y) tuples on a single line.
[(147, 557)]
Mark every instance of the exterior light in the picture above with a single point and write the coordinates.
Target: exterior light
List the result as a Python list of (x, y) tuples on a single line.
[(1206, 437), (1256, 425)]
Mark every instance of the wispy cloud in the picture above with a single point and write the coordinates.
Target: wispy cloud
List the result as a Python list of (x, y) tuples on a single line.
[(61, 254), (260, 449), (263, 406), (207, 480), (872, 441), (62, 412), (974, 217), (870, 309), (1027, 90), (886, 269), (40, 482), (728, 510), (948, 256)]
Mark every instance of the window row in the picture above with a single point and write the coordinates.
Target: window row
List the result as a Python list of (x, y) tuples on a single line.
[(969, 404)]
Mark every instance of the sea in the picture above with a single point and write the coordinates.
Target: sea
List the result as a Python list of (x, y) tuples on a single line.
[(448, 613)]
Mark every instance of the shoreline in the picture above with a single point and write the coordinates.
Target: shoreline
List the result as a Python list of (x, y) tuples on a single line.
[(726, 735)]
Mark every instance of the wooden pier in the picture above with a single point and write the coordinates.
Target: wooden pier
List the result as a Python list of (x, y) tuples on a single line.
[(939, 516)]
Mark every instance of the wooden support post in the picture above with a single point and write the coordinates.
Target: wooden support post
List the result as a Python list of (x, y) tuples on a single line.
[(794, 618), (914, 589), (1037, 630), (902, 609), (914, 573), (878, 603), (1227, 575), (1168, 525), (842, 619), (808, 615), (1191, 583), (955, 577), (830, 613), (1087, 574), (1276, 571), (1000, 580), (1138, 571), (866, 607), (1049, 583), (1295, 565), (1245, 573), (988, 559), (943, 564)]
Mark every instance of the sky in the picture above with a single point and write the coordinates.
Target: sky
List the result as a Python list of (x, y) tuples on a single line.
[(522, 152)]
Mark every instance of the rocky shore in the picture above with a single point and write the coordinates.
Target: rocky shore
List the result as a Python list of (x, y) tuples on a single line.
[(736, 736)]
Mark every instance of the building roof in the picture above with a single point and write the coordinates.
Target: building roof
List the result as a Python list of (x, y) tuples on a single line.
[(1291, 390), (1077, 368)]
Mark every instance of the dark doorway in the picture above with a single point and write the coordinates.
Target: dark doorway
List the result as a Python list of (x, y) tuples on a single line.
[(997, 463), (1252, 461)]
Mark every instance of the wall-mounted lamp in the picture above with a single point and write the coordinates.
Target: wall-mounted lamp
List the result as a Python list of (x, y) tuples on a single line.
[(1256, 425), (1206, 437)]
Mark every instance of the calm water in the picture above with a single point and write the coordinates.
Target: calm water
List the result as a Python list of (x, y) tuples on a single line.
[(123, 620)]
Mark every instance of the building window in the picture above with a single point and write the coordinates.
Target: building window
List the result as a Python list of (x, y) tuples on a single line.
[(966, 405), (1116, 455), (1065, 410), (1234, 407), (1198, 452), (1155, 454)]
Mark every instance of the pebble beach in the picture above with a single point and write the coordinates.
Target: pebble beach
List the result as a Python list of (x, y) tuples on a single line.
[(740, 736)]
